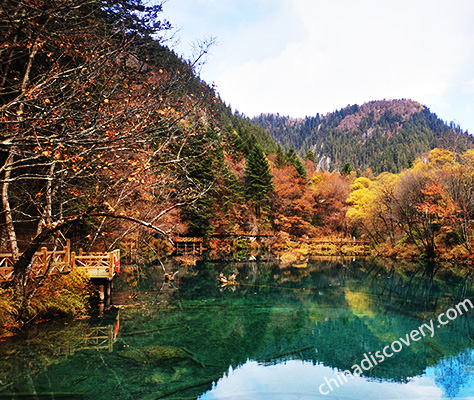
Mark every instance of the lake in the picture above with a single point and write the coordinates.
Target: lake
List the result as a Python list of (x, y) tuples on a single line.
[(281, 332)]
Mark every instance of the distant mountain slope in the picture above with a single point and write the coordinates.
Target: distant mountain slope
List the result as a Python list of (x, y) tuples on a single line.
[(384, 135)]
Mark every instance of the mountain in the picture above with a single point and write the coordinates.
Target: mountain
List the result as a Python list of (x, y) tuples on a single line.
[(386, 135)]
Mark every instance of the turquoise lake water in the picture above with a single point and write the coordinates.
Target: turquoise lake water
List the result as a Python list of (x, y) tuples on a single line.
[(281, 333)]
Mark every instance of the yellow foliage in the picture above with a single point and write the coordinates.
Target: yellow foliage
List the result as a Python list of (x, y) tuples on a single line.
[(361, 183), (440, 158), (468, 157), (437, 159), (359, 303)]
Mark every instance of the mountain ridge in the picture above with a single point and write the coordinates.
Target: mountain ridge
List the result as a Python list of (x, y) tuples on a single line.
[(384, 135)]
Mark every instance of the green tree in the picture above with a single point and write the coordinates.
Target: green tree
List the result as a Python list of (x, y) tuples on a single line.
[(346, 169), (310, 156), (203, 173), (258, 181), (280, 159), (296, 162)]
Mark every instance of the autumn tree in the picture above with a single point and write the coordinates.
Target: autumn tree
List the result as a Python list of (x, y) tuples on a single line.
[(293, 203), (372, 207), (457, 180), (330, 192), (424, 206), (89, 116)]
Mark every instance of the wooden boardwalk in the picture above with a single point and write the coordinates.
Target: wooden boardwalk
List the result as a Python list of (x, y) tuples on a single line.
[(344, 246), (186, 245), (98, 265)]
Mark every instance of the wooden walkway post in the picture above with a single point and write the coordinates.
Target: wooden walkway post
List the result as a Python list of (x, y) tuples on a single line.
[(110, 338), (111, 265), (67, 252), (73, 260)]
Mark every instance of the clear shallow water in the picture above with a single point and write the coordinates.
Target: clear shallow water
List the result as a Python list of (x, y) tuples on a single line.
[(280, 334)]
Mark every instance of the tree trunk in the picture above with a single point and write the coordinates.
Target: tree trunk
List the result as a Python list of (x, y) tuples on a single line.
[(7, 208), (21, 266), (46, 217)]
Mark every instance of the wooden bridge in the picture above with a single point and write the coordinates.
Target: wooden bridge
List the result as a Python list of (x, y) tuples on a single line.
[(98, 265)]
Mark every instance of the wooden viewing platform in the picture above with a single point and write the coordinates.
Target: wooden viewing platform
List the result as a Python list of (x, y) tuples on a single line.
[(98, 265)]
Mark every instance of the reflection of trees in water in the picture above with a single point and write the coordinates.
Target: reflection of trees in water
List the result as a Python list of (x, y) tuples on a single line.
[(304, 314), (453, 373), (38, 347), (418, 286), (276, 314)]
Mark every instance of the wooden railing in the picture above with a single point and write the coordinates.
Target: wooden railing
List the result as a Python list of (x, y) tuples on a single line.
[(98, 265), (102, 337), (189, 245)]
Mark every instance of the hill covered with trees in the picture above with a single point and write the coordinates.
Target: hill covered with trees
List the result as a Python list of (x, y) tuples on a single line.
[(386, 136)]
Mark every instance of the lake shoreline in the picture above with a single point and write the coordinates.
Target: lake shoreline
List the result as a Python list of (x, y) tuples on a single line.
[(281, 249)]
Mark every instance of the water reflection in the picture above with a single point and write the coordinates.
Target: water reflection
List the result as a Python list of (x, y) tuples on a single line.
[(301, 380), (455, 375), (277, 334)]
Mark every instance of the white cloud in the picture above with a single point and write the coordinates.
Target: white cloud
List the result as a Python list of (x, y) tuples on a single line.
[(354, 51), (300, 57)]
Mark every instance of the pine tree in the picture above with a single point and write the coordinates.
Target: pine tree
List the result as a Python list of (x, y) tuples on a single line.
[(310, 156), (280, 159), (258, 181), (293, 158), (347, 169)]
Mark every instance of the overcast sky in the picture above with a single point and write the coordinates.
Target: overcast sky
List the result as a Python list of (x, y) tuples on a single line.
[(302, 57)]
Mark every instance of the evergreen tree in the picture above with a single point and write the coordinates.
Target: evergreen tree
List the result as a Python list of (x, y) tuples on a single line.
[(280, 159), (346, 169), (203, 173), (258, 181), (296, 162), (310, 156)]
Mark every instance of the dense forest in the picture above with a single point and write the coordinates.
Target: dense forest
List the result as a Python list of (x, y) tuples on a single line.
[(386, 136), (110, 139)]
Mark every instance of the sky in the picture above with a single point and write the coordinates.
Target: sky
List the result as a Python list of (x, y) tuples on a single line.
[(303, 57)]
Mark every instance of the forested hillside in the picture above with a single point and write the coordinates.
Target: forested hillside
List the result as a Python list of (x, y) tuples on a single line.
[(386, 136), (110, 139)]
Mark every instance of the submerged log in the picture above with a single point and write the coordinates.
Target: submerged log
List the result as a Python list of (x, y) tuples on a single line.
[(159, 355)]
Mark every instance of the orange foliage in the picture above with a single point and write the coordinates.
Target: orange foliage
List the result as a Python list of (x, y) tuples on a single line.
[(435, 203), (331, 191), (293, 204)]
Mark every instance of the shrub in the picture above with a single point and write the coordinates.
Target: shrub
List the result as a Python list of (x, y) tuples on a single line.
[(63, 295), (8, 312)]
